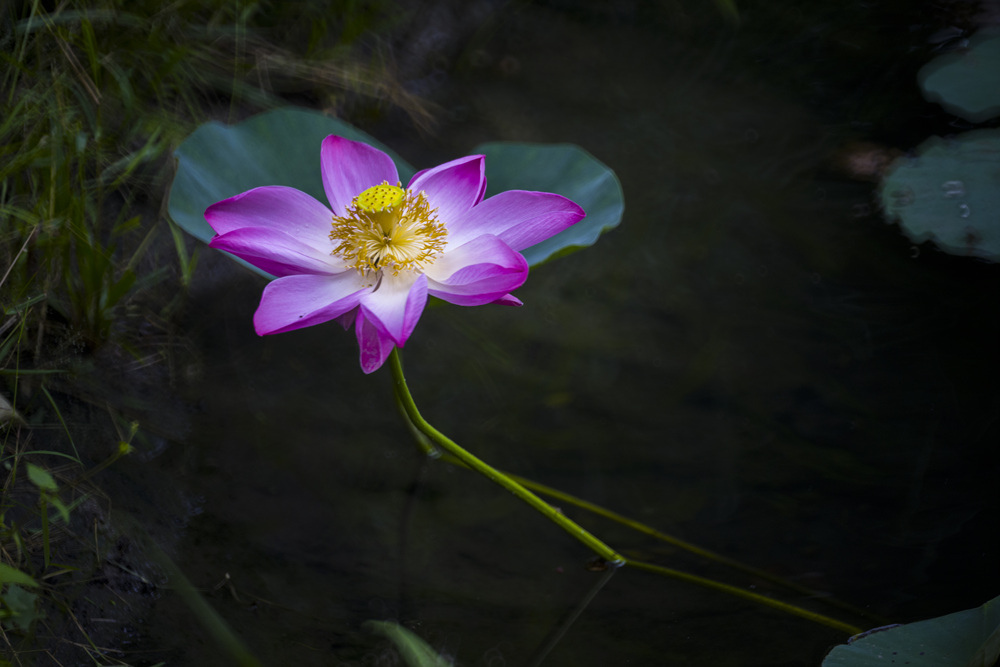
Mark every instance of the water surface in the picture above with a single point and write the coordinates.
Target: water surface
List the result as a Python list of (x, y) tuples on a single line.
[(754, 362)]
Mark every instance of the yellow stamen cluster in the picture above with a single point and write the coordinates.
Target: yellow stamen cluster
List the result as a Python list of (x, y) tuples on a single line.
[(387, 227)]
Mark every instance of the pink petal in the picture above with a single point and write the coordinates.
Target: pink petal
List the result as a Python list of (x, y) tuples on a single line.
[(396, 303), (276, 252), (519, 218), (347, 319), (349, 168), (274, 207), (294, 302), (453, 187), (375, 345), (478, 272), (508, 300)]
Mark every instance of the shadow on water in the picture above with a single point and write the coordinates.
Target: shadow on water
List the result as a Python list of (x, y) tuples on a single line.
[(754, 362)]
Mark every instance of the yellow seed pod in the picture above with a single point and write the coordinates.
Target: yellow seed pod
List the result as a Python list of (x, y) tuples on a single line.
[(380, 197)]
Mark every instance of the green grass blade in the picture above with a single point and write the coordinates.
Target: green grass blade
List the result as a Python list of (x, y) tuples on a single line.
[(63, 422)]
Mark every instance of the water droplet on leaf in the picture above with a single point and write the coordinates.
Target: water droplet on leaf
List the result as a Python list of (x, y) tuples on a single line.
[(953, 189)]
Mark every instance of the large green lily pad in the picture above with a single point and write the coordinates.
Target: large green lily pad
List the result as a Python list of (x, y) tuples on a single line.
[(966, 82), (282, 147), (968, 638), (949, 194)]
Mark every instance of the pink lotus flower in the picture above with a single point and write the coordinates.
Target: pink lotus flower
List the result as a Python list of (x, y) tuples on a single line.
[(374, 255)]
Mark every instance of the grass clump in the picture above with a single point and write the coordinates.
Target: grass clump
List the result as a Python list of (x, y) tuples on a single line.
[(93, 97)]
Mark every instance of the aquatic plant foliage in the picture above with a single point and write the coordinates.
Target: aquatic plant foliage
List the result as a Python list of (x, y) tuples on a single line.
[(947, 194)]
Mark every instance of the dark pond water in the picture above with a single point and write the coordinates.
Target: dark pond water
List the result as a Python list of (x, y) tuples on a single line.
[(754, 361)]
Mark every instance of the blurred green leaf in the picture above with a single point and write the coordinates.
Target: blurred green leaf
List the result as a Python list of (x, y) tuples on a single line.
[(966, 82), (10, 575), (968, 638), (948, 194), (414, 650), (41, 478), (567, 170), (22, 608), (60, 507)]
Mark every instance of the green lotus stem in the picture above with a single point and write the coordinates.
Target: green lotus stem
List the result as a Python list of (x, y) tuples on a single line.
[(443, 442), (670, 572), (426, 446), (748, 595), (436, 444), (687, 546)]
